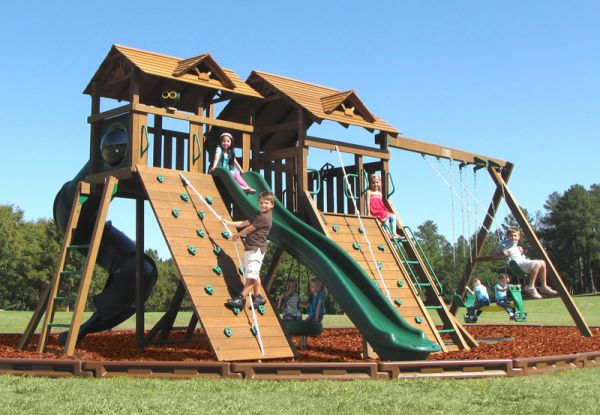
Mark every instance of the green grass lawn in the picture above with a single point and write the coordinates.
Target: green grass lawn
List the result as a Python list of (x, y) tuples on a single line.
[(545, 312), (569, 392)]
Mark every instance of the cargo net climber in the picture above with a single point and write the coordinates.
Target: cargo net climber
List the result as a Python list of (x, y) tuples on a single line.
[(508, 297)]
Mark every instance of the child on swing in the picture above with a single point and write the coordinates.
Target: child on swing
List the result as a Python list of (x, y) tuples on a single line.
[(534, 267), (225, 157), (501, 294), (482, 298), (376, 206), (289, 302), (316, 309)]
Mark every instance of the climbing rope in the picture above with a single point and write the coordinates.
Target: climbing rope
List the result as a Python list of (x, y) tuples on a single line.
[(187, 183), (387, 291)]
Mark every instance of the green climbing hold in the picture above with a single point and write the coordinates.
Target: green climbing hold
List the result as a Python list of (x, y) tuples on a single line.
[(175, 212), (185, 197), (253, 330), (418, 319), (236, 310), (335, 228), (217, 270), (381, 247), (241, 270), (160, 178), (226, 234), (209, 200), (218, 250), (400, 283), (356, 246), (209, 289), (379, 265), (227, 331), (398, 301), (201, 214), (262, 309), (361, 230), (191, 250), (200, 232)]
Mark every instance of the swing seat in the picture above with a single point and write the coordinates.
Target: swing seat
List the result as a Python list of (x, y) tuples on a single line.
[(513, 268), (302, 328)]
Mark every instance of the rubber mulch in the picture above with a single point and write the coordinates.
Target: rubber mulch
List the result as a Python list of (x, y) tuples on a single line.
[(334, 345)]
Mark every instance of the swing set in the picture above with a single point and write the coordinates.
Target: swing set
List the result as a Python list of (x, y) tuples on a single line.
[(500, 172)]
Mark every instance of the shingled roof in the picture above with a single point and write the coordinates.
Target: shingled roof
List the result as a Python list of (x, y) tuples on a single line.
[(323, 103), (201, 71)]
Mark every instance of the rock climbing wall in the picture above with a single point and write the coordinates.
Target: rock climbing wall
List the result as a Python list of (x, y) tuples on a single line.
[(207, 261)]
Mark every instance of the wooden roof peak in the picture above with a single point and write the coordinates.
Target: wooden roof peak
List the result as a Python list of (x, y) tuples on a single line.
[(348, 103), (344, 107), (202, 71), (205, 67)]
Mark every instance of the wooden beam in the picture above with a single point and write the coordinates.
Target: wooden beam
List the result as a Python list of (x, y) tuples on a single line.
[(346, 148), (552, 272), (95, 117), (291, 152), (286, 126), (191, 117), (423, 147)]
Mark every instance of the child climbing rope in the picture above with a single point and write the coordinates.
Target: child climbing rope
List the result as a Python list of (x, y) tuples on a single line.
[(256, 230)]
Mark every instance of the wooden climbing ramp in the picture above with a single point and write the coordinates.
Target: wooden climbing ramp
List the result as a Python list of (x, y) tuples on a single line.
[(208, 265)]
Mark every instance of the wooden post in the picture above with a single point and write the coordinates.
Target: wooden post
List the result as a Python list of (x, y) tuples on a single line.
[(552, 272), (245, 151), (94, 130), (301, 162), (360, 188), (138, 128), (196, 142), (139, 277)]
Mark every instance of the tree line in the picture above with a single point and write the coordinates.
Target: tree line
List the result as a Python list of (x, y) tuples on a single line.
[(568, 229)]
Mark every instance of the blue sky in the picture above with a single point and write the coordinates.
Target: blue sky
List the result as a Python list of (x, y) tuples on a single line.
[(510, 79)]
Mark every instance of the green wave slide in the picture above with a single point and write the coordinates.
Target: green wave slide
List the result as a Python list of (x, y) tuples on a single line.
[(372, 313)]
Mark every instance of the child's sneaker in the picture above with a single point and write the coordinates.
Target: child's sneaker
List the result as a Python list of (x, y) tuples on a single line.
[(511, 316), (250, 190), (237, 302), (258, 300), (548, 291), (532, 292)]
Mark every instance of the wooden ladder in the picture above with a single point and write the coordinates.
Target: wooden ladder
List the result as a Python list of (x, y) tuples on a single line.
[(48, 300), (419, 270)]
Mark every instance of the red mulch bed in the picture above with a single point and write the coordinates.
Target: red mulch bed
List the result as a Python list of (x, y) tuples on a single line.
[(335, 345)]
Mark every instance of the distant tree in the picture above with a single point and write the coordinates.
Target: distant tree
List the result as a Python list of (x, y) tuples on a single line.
[(570, 233)]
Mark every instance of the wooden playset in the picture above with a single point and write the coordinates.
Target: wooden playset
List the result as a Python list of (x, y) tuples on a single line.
[(169, 125)]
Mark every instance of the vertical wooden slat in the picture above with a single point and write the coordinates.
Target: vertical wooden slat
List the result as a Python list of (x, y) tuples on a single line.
[(179, 153), (168, 151), (157, 151)]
